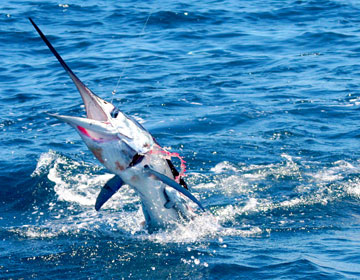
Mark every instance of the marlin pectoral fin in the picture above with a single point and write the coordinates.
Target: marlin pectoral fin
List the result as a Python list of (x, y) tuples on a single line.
[(108, 190), (166, 180)]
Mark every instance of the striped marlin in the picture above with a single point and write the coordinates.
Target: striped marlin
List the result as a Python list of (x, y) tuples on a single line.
[(132, 154)]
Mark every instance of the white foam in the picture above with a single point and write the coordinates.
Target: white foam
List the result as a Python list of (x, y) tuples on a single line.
[(353, 187), (224, 166), (80, 189), (337, 172), (318, 187), (44, 161), (201, 228)]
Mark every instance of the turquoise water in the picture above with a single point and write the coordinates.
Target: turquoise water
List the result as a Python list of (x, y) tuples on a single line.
[(262, 100)]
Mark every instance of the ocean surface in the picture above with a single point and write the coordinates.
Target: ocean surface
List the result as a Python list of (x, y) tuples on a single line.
[(261, 98)]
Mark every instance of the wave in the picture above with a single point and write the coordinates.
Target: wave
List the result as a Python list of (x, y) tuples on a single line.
[(243, 200)]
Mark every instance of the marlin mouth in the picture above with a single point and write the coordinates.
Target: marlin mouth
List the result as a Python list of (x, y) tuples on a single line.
[(131, 142), (98, 111), (104, 121)]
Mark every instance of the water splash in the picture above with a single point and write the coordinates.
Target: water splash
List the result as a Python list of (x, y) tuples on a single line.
[(248, 186)]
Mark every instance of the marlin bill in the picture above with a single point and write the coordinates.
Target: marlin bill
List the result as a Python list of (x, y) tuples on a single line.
[(132, 154)]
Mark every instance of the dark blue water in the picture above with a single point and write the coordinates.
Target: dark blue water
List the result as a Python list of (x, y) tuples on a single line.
[(261, 98)]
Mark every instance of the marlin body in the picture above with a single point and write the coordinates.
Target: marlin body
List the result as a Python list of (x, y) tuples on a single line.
[(130, 152)]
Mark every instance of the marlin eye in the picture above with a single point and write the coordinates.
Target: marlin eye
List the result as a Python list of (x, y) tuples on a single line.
[(114, 113)]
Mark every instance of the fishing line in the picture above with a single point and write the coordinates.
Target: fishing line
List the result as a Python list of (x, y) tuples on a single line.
[(160, 150), (128, 59)]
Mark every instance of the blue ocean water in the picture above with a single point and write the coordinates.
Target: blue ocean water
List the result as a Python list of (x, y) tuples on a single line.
[(261, 98)]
